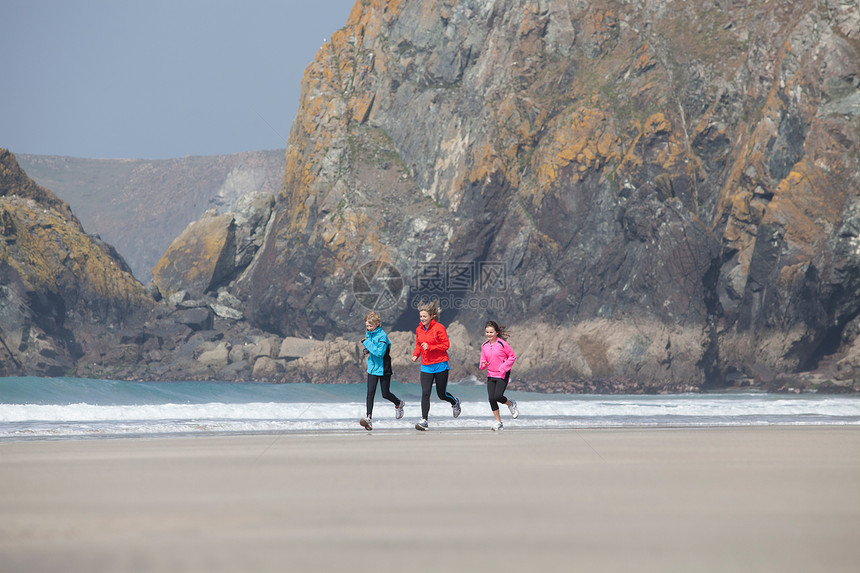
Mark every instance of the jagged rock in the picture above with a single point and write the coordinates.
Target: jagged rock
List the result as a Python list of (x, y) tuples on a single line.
[(611, 165), (199, 259), (267, 369), (226, 311), (227, 299), (195, 318), (207, 335), (59, 287), (240, 352), (152, 290), (234, 372), (192, 303), (269, 346), (649, 208), (831, 387), (333, 361), (216, 357), (178, 297), (848, 368), (134, 204), (292, 347)]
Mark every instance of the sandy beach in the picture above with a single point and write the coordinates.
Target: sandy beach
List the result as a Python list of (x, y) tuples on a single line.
[(778, 499)]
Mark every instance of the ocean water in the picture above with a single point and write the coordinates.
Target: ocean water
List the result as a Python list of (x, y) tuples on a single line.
[(74, 408)]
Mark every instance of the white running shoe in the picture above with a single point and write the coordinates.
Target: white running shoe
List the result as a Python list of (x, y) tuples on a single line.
[(398, 410), (515, 413), (366, 423), (456, 407), (422, 425), (498, 426)]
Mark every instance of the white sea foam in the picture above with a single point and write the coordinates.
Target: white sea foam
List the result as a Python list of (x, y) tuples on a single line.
[(22, 421)]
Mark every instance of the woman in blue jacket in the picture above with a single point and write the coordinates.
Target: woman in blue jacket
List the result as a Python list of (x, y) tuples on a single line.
[(377, 347)]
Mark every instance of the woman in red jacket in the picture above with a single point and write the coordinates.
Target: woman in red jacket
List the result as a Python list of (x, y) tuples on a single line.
[(431, 345)]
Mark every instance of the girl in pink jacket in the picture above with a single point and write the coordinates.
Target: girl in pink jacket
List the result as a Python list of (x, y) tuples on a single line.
[(497, 358)]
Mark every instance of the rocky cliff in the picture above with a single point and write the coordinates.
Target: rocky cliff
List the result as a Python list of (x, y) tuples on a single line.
[(69, 305), (672, 187), (56, 282), (653, 196), (140, 205)]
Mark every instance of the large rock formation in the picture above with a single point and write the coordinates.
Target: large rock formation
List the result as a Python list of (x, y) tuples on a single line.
[(141, 205), (675, 181), (654, 196), (69, 305), (56, 282)]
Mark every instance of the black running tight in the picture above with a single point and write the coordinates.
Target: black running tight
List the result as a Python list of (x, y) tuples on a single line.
[(496, 390), (427, 380), (385, 383)]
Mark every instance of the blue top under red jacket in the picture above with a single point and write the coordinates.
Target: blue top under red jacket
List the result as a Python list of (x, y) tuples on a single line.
[(436, 338)]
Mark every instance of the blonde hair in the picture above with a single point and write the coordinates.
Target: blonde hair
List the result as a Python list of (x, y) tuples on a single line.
[(373, 318), (431, 308)]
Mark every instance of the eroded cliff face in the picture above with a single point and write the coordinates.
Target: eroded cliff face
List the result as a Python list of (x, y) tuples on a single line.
[(56, 282), (141, 205), (69, 305), (684, 168), (654, 196)]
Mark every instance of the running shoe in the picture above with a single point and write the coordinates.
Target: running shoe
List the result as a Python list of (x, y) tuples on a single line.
[(422, 425), (366, 423), (456, 407), (398, 410), (515, 413), (498, 426)]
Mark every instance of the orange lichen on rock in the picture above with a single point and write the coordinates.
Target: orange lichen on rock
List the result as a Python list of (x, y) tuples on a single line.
[(646, 60), (805, 205), (740, 209), (584, 139), (360, 107), (484, 162), (656, 124), (49, 250)]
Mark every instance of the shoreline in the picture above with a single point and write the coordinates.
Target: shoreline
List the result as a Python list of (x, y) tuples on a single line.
[(352, 428), (773, 498)]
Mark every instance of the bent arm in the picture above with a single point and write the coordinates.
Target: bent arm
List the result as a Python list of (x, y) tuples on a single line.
[(441, 341), (485, 360), (510, 358), (377, 347)]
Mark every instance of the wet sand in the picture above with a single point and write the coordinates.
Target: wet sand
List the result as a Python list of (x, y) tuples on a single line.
[(778, 499)]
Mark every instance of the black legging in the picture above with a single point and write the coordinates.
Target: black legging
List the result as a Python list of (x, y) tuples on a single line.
[(385, 382), (427, 379), (496, 390)]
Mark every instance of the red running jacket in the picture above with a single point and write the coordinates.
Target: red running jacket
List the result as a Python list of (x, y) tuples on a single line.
[(436, 338)]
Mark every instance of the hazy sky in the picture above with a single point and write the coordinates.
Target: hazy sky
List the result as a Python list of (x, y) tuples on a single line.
[(155, 79)]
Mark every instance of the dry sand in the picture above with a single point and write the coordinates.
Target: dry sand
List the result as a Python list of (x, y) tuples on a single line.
[(778, 499)]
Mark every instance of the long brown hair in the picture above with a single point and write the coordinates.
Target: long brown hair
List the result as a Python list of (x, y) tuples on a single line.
[(501, 330)]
